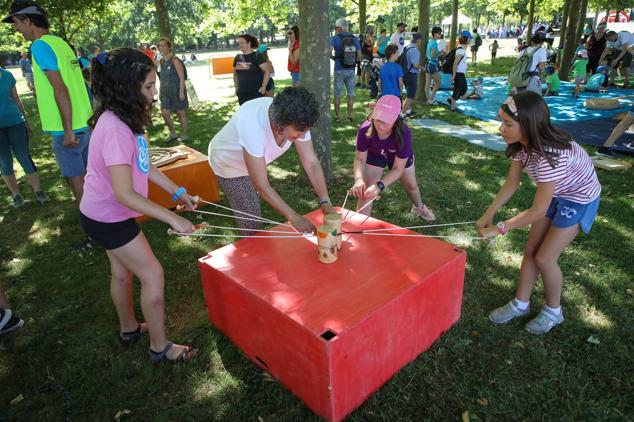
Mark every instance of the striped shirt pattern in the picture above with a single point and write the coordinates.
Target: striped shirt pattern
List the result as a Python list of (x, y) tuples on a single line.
[(574, 175)]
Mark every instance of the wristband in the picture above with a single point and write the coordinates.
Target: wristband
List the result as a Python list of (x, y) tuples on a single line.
[(325, 201), (178, 193), (380, 185), (502, 228)]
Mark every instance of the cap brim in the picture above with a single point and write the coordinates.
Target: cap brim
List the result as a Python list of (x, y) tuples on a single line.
[(29, 10)]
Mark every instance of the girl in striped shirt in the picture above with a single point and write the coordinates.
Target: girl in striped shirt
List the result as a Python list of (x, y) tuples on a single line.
[(566, 200)]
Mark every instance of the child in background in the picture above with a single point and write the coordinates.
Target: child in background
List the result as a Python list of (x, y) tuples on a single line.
[(552, 81), (391, 74), (581, 46), (596, 81), (477, 92), (115, 193), (494, 50), (270, 86), (566, 201), (459, 71), (385, 140), (579, 70)]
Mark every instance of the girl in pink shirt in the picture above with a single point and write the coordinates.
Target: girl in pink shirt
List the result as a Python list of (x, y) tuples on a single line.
[(115, 192), (566, 200)]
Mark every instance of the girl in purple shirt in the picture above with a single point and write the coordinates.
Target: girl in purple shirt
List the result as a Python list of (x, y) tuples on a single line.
[(385, 140)]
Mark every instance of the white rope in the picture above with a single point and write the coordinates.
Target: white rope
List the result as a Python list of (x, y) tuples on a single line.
[(209, 226), (345, 200), (297, 236), (225, 215), (423, 235), (419, 227), (246, 213), (359, 210)]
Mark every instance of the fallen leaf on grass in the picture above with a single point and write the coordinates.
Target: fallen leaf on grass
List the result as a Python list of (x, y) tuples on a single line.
[(121, 413), (482, 401), (17, 400), (593, 340), (465, 416), (475, 333)]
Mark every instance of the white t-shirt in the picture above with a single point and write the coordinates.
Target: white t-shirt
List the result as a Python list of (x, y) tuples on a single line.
[(540, 56), (399, 41), (442, 45), (249, 129), (462, 62), (625, 37)]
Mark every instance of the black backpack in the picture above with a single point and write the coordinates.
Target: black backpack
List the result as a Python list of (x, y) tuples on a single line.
[(478, 41), (347, 53), (402, 60), (447, 66)]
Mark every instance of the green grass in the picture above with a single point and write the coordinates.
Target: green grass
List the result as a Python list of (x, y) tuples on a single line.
[(69, 342)]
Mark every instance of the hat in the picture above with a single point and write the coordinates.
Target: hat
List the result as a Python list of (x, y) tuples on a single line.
[(416, 36), (29, 10), (387, 109), (602, 69), (583, 54), (262, 48), (465, 33), (550, 69)]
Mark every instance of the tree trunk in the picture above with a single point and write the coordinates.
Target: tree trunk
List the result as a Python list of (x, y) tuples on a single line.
[(423, 27), (582, 20), (595, 22), (163, 20), (314, 56), (529, 24), (569, 42), (454, 24), (564, 23), (362, 16)]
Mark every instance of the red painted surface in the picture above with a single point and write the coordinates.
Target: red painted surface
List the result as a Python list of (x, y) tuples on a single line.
[(386, 299)]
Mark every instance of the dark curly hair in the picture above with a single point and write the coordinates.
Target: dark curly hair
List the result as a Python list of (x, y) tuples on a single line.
[(253, 41), (41, 21), (296, 107), (533, 116), (116, 86)]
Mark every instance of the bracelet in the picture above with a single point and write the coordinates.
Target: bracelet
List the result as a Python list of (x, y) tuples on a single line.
[(380, 185), (325, 201), (502, 228), (178, 193)]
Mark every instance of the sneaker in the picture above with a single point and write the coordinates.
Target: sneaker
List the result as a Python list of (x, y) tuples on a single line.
[(18, 201), (507, 313), (424, 213), (41, 197), (411, 114), (544, 322), (9, 322), (608, 152)]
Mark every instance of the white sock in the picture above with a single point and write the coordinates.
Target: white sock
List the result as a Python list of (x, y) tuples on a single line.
[(522, 306), (554, 311)]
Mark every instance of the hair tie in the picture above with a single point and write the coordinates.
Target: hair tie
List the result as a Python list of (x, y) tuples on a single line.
[(102, 58), (510, 103)]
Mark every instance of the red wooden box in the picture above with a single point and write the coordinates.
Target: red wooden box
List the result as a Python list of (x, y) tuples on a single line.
[(334, 333)]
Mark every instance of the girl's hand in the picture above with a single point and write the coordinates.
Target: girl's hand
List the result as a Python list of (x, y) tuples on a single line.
[(328, 209), (182, 225), (181, 96), (489, 232), (372, 192), (358, 188), (191, 202), (302, 224), (484, 222)]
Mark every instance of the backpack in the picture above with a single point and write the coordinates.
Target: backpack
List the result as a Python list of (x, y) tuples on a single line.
[(347, 51), (478, 41), (403, 62), (520, 74), (447, 66)]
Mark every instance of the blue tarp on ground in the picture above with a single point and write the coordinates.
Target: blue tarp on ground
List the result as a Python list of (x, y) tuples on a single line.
[(564, 108), (595, 132)]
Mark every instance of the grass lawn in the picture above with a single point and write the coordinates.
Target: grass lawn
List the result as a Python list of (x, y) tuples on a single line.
[(67, 361)]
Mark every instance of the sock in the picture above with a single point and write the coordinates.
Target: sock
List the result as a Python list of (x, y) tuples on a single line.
[(522, 306), (554, 311)]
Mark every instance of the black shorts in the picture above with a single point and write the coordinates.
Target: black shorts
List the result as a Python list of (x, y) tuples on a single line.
[(110, 235), (380, 161), (411, 84)]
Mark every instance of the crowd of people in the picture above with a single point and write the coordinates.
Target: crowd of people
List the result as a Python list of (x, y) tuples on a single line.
[(102, 149)]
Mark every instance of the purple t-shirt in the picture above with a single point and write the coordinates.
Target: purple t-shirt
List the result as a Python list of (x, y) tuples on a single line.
[(385, 148)]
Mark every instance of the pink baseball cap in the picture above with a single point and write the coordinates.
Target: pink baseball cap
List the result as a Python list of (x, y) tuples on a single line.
[(387, 109), (583, 54)]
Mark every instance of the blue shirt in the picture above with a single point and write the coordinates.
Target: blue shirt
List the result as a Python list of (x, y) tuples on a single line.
[(335, 42), (413, 57), (432, 44), (389, 74), (595, 81), (9, 113), (25, 65)]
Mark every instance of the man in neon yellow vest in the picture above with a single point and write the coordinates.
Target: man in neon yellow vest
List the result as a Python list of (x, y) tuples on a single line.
[(62, 98)]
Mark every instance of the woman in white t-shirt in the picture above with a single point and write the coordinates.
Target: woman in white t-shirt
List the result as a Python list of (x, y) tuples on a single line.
[(538, 63), (259, 132)]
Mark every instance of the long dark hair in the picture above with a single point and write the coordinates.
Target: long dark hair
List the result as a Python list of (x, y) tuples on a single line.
[(533, 116), (117, 77), (253, 41), (295, 30), (397, 129)]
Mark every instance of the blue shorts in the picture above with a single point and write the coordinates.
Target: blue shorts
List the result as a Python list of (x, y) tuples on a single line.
[(72, 161), (565, 213), (431, 67), (379, 161), (347, 76), (295, 77)]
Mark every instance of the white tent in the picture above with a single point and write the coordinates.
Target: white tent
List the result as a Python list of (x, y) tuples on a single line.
[(462, 20)]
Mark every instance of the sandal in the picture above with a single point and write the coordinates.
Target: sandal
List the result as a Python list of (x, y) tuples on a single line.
[(130, 337), (185, 356), (9, 321)]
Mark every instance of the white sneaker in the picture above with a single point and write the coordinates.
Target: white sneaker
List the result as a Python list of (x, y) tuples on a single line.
[(544, 322), (424, 213), (507, 313)]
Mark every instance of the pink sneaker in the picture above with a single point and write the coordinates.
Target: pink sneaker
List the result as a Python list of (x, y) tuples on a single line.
[(424, 213)]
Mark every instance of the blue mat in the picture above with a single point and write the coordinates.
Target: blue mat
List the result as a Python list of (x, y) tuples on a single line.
[(564, 108), (595, 132)]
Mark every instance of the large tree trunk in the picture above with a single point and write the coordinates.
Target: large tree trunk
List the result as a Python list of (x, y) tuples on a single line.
[(362, 16), (569, 42), (423, 27), (529, 24), (315, 62), (163, 20), (564, 23), (581, 22), (454, 24)]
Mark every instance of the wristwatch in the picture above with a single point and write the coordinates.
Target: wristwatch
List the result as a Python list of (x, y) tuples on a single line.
[(501, 228), (380, 185)]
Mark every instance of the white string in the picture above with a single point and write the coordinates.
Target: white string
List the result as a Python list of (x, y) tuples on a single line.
[(423, 235), (345, 200), (297, 236), (249, 230), (225, 215), (246, 213), (418, 227), (360, 209)]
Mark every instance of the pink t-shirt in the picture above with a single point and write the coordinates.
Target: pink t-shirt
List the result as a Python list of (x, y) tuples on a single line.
[(112, 143)]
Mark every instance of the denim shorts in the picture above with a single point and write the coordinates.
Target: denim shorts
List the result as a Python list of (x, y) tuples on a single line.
[(347, 76), (431, 67), (380, 161), (72, 161), (295, 77), (565, 213)]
